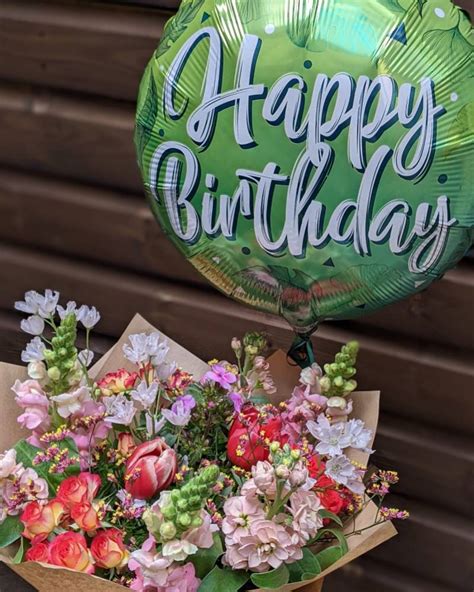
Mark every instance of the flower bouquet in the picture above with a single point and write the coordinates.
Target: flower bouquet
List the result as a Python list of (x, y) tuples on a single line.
[(156, 471)]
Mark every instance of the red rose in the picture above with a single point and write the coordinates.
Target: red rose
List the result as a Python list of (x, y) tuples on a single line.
[(40, 521), (76, 490), (108, 549), (248, 435), (325, 487), (331, 500), (38, 552), (70, 550), (85, 516), (151, 468)]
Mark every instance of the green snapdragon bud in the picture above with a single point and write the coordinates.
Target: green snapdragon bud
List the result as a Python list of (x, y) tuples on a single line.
[(338, 381), (61, 358)]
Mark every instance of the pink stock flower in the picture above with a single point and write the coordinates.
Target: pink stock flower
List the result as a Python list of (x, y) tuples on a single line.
[(267, 546), (263, 475), (240, 514), (150, 567), (32, 399), (304, 507), (181, 579)]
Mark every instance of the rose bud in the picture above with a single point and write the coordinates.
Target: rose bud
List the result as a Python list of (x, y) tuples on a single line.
[(114, 383), (126, 444), (151, 468), (38, 552), (108, 549), (40, 521), (70, 550), (85, 516), (78, 489)]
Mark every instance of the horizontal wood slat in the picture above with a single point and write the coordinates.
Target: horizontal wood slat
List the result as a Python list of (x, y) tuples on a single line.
[(93, 48), (114, 228), (415, 383), (85, 139)]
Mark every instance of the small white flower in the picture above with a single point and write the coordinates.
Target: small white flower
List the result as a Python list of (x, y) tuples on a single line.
[(359, 435), (165, 370), (119, 409), (89, 317), (48, 304), (69, 403), (31, 303), (8, 463), (144, 394), (178, 550), (33, 325), (71, 308), (34, 351), (332, 438), (154, 426), (85, 357), (310, 376), (344, 472), (144, 347), (37, 371)]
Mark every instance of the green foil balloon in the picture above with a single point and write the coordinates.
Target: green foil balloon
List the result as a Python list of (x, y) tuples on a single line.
[(312, 158)]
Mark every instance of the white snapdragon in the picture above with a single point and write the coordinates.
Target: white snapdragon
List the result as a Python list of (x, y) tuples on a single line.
[(33, 325), (34, 351), (88, 316), (145, 395), (69, 403), (71, 308), (144, 347), (341, 470), (119, 409)]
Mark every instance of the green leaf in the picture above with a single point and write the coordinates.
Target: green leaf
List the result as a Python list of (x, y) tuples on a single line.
[(205, 559), (306, 568), (25, 453), (22, 549), (223, 579), (10, 531), (328, 556), (331, 516), (272, 579)]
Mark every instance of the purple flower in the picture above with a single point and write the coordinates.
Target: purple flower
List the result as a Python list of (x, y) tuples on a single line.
[(180, 412), (237, 401), (220, 375)]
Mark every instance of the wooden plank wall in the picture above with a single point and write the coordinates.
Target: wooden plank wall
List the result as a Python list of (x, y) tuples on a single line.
[(73, 218)]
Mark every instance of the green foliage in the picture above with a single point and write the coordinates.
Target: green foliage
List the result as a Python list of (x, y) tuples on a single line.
[(338, 381), (330, 516), (205, 559), (272, 580), (10, 531), (25, 453), (223, 579), (330, 555), (304, 569), (61, 358)]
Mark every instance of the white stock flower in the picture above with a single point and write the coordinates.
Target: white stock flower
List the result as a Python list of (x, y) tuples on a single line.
[(71, 308), (88, 316), (144, 347), (332, 438), (69, 403), (34, 351), (359, 435), (119, 409), (144, 394), (344, 472), (85, 357), (33, 325)]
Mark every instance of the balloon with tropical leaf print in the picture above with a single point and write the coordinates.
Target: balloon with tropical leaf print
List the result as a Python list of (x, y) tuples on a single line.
[(312, 158)]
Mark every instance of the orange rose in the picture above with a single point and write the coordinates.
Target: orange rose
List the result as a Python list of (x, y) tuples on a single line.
[(40, 521), (75, 490), (38, 552), (126, 444), (108, 549), (85, 516), (70, 550), (114, 383)]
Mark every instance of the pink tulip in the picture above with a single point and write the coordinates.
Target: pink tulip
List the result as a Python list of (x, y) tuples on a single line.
[(150, 469)]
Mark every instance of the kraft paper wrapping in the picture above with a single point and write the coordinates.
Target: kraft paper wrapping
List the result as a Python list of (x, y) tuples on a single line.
[(47, 578)]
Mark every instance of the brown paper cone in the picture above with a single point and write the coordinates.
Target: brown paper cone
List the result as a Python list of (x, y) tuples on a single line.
[(46, 578)]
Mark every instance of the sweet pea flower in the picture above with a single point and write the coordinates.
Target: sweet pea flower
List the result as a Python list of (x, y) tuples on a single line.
[(69, 403), (35, 404), (145, 347), (34, 351), (221, 375), (33, 325), (88, 316), (237, 401), (180, 412), (145, 394)]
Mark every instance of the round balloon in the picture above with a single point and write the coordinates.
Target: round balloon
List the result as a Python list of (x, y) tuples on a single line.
[(312, 158)]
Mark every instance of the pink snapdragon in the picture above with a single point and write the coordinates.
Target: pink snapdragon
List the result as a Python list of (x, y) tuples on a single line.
[(35, 404), (303, 406)]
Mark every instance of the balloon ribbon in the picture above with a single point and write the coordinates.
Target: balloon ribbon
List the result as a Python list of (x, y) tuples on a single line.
[(301, 351)]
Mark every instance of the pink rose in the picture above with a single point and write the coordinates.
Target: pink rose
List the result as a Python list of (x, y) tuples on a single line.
[(32, 399)]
